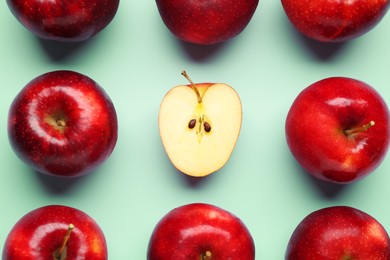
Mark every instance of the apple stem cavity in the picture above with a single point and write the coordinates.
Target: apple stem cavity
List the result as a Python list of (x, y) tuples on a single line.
[(359, 129), (184, 73), (60, 253)]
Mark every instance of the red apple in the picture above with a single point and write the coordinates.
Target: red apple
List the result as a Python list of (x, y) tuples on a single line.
[(62, 123), (335, 20), (200, 232), (206, 21), (55, 232), (339, 232), (338, 129), (64, 20)]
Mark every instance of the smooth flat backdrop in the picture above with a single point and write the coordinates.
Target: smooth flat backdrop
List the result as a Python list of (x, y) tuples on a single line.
[(137, 60)]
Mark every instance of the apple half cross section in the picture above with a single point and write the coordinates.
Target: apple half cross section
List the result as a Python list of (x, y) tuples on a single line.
[(199, 126)]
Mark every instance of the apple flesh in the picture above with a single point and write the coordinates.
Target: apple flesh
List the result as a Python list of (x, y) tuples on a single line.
[(206, 21), (55, 232), (200, 232), (339, 232), (62, 123), (338, 129), (335, 20), (199, 126), (59, 20)]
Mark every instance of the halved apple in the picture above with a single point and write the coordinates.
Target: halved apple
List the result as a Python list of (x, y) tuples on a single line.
[(199, 126)]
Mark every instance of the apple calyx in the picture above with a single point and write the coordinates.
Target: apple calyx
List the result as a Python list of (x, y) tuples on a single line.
[(57, 120), (359, 129), (203, 122), (60, 253), (206, 255)]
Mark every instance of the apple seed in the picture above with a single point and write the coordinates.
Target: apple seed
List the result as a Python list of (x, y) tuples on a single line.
[(192, 123), (207, 127)]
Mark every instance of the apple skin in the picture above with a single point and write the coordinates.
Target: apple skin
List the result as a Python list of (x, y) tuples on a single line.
[(316, 124), (200, 231), (39, 233), (62, 123), (339, 232), (206, 21), (335, 20), (67, 21)]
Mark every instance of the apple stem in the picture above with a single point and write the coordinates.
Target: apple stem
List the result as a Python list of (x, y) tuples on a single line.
[(206, 255), (184, 73), (65, 241), (359, 129)]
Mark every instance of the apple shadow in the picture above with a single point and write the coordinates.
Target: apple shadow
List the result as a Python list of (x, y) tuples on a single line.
[(201, 53), (58, 51), (327, 190), (323, 51), (194, 182), (57, 185)]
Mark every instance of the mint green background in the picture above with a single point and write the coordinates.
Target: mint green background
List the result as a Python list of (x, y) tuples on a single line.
[(137, 61)]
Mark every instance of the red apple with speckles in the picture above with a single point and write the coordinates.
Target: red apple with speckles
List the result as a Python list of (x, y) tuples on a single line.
[(200, 232), (206, 21), (339, 232), (64, 20), (338, 129), (335, 20), (55, 232), (62, 123)]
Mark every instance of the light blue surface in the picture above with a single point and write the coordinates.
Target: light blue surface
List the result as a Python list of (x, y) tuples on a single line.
[(137, 61)]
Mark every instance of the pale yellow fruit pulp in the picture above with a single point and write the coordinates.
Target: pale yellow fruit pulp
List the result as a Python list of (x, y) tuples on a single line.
[(195, 151)]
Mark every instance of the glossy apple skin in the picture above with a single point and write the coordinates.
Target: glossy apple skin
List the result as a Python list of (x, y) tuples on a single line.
[(39, 233), (316, 123), (338, 232), (90, 129), (60, 20), (190, 231), (206, 21), (335, 20)]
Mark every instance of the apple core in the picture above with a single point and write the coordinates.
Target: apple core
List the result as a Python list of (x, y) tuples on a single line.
[(203, 123)]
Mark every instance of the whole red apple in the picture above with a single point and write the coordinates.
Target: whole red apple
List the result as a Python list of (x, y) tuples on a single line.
[(55, 232), (206, 21), (62, 123), (64, 20), (338, 129), (335, 20), (339, 232), (200, 232)]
